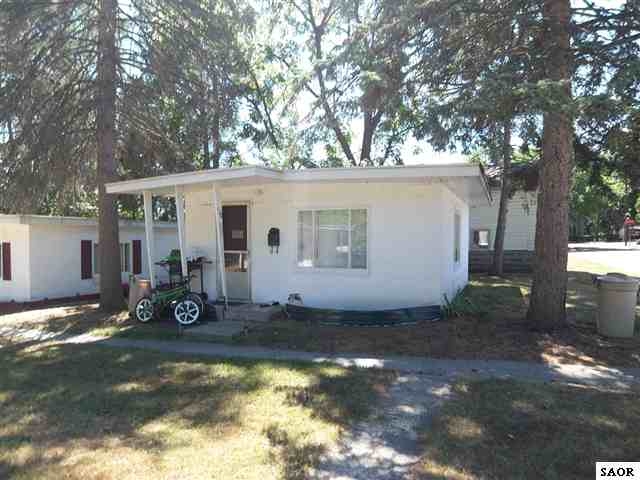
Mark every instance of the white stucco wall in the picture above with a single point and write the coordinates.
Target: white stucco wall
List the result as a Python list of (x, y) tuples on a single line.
[(407, 245), (200, 236), (521, 220), (56, 261), (16, 289), (455, 275)]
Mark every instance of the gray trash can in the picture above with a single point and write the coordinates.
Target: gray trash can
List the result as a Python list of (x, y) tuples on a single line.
[(617, 299)]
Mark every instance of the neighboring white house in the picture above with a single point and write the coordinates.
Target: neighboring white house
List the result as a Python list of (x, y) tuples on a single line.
[(521, 222), (55, 257), (519, 238), (361, 238)]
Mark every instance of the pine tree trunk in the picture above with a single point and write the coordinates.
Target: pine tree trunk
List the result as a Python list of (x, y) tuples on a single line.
[(216, 136), (206, 156), (110, 282), (497, 268), (367, 138), (548, 292)]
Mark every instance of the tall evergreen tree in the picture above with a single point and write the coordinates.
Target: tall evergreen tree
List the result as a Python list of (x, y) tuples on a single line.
[(65, 69), (549, 288)]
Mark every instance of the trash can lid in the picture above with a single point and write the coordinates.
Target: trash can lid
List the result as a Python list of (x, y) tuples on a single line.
[(618, 281)]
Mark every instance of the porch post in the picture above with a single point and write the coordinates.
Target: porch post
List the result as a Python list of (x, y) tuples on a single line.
[(181, 242), (148, 230), (220, 244)]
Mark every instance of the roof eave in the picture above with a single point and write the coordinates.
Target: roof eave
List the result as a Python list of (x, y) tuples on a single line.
[(163, 183)]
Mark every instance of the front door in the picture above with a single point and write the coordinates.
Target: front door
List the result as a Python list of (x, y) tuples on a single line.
[(236, 251)]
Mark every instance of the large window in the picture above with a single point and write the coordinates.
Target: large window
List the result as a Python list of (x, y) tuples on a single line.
[(332, 238)]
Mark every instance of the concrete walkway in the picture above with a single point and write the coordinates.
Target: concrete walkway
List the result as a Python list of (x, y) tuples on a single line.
[(600, 376), (594, 376), (386, 445)]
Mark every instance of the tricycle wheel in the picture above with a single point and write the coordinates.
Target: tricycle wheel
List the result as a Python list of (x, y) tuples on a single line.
[(186, 312), (196, 298), (144, 310)]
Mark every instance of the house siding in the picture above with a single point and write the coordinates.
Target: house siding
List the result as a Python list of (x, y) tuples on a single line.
[(405, 239), (455, 275), (521, 220), (17, 289), (51, 259)]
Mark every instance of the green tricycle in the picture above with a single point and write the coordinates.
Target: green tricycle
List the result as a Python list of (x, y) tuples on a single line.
[(187, 306)]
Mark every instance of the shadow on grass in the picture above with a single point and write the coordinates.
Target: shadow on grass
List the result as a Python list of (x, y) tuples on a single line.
[(496, 330), (342, 398), (63, 319), (507, 429), (295, 456), (502, 331), (54, 398)]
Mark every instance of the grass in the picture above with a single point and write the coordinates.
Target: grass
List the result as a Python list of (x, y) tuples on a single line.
[(72, 411), (494, 329), (517, 430), (581, 262), (497, 330)]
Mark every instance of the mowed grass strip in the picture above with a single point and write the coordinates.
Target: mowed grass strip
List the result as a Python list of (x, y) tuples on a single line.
[(517, 430), (72, 411)]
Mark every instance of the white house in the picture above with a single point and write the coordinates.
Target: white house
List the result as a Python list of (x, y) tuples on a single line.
[(520, 233), (358, 238), (55, 257)]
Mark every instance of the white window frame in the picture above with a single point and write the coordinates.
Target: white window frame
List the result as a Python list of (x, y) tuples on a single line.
[(125, 267), (340, 270), (477, 245), (457, 237)]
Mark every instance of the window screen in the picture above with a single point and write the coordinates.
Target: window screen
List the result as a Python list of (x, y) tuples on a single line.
[(334, 238)]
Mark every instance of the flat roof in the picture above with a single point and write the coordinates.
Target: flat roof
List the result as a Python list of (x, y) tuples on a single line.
[(21, 219), (250, 175)]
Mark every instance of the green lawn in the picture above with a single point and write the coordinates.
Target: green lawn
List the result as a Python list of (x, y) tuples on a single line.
[(82, 412), (516, 430), (497, 329)]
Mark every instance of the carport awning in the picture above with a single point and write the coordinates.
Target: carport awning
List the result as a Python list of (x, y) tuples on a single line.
[(468, 181)]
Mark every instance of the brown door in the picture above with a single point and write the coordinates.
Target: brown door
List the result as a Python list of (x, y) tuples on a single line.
[(236, 252)]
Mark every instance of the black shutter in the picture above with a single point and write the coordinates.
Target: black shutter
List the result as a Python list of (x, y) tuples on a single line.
[(6, 261), (86, 259), (137, 257)]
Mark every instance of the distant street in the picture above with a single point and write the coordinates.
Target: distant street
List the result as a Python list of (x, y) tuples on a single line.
[(603, 257)]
